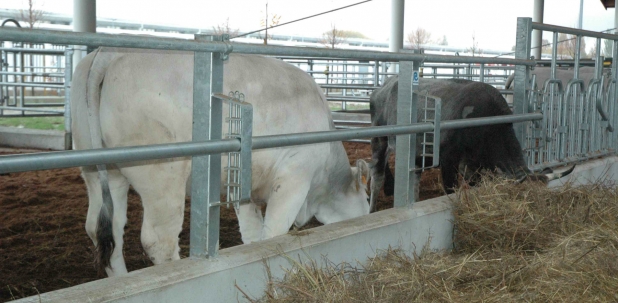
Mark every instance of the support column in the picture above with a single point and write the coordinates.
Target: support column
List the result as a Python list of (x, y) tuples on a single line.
[(615, 20), (537, 35), (396, 39), (397, 10), (581, 14), (84, 20)]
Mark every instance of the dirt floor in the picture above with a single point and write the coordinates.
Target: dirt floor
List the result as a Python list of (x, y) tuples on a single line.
[(43, 244)]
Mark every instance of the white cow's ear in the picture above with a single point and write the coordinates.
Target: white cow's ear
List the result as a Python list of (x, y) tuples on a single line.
[(362, 173)]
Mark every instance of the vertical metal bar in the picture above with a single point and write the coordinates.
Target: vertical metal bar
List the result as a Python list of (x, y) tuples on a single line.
[(613, 101), (436, 132), (482, 73), (594, 142), (22, 89), (574, 106), (206, 169), (68, 74), (376, 74), (3, 78), (522, 51), (245, 152), (405, 149)]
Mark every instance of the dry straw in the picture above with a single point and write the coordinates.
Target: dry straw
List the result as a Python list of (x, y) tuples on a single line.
[(512, 243)]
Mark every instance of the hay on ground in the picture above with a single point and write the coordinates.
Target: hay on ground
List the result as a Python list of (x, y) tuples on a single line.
[(512, 243)]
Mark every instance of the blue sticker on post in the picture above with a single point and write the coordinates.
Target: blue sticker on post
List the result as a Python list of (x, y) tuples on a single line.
[(415, 78)]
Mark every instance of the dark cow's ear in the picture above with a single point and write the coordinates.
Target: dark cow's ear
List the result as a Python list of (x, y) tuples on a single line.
[(362, 173)]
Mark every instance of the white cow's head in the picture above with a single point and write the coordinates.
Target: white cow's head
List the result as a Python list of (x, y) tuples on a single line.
[(351, 201)]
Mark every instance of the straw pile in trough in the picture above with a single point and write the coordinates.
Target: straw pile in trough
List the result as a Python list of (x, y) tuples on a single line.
[(512, 243)]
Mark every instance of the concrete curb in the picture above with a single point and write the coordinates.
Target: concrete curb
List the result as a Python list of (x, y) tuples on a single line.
[(31, 138)]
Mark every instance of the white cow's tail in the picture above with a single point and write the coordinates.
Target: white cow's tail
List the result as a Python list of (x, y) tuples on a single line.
[(104, 232)]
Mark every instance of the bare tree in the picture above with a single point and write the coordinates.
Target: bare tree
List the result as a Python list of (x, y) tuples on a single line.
[(474, 49), (266, 23), (333, 37), (32, 16), (224, 28), (443, 41), (545, 46), (419, 37), (567, 45), (607, 48)]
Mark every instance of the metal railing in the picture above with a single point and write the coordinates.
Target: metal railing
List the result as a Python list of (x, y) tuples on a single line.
[(207, 143), (579, 117)]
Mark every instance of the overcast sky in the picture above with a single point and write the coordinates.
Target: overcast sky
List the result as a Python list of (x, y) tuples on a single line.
[(493, 22)]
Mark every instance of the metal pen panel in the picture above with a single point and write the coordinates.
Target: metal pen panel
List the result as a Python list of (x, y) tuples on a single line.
[(68, 74), (405, 149), (522, 72), (205, 169)]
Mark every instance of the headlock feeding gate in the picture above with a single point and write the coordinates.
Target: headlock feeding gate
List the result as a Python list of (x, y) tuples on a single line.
[(556, 124)]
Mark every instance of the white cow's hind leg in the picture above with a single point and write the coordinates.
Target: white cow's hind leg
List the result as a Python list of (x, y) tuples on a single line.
[(119, 187), (286, 200), (251, 222), (162, 189)]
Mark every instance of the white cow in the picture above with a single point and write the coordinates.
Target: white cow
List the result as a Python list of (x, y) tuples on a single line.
[(140, 97)]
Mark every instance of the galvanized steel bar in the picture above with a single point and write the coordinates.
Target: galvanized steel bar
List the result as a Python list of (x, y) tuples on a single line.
[(522, 73), (32, 109), (246, 141), (572, 31), (65, 159), (92, 39), (205, 169), (405, 149), (32, 50), (33, 74), (29, 84), (68, 76)]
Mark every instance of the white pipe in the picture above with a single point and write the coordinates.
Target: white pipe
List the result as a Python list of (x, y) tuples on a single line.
[(581, 14), (537, 35), (615, 20), (396, 40), (84, 20), (397, 10)]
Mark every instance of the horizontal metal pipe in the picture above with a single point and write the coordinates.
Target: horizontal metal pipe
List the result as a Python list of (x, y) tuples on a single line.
[(330, 72), (349, 99), (451, 66), (32, 51), (474, 122), (64, 159), (74, 158), (572, 31), (33, 74), (380, 131), (425, 75), (21, 115), (30, 105), (30, 109), (349, 86), (27, 84), (131, 41)]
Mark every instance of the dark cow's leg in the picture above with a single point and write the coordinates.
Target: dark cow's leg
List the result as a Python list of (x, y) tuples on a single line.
[(450, 158), (379, 157), (389, 180)]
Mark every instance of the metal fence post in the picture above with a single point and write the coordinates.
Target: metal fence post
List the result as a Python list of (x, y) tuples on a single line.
[(206, 169), (68, 75), (520, 98), (405, 149)]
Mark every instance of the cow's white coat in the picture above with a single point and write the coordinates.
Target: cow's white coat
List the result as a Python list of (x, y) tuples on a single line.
[(146, 98)]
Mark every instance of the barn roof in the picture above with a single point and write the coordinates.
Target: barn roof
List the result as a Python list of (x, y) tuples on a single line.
[(608, 3)]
